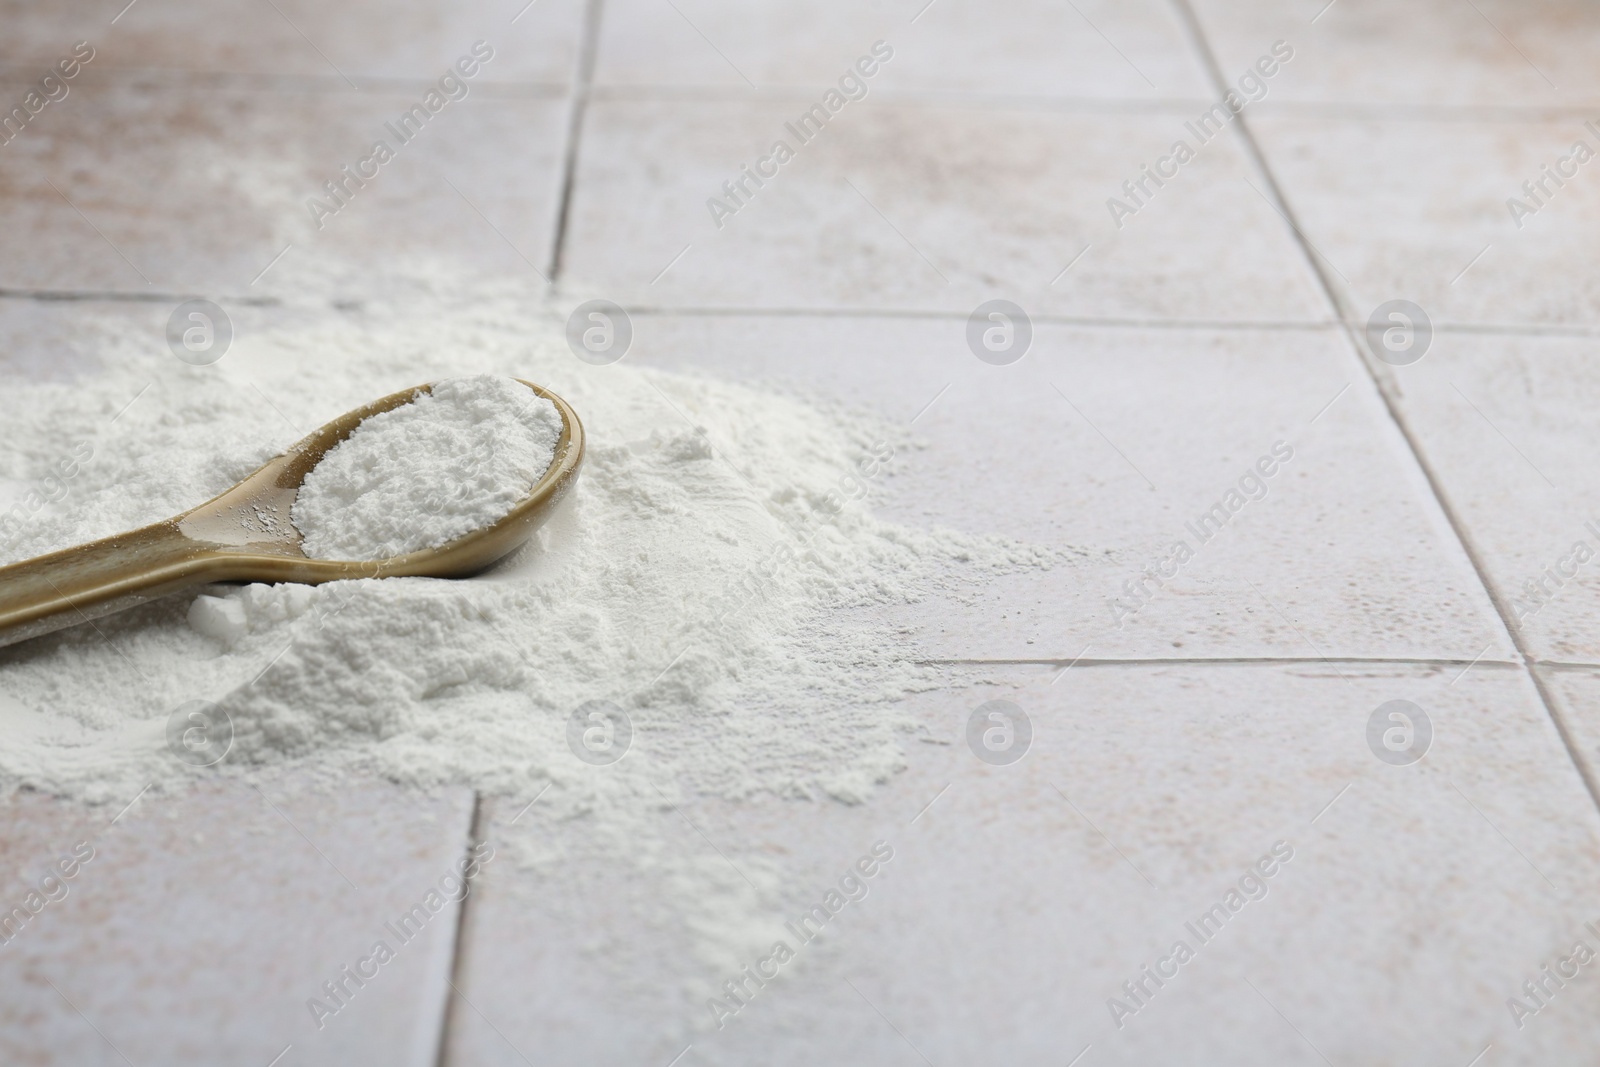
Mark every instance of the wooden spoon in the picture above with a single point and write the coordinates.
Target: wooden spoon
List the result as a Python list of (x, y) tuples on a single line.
[(226, 540)]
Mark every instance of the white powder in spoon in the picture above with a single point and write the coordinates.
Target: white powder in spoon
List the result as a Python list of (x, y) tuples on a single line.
[(452, 461)]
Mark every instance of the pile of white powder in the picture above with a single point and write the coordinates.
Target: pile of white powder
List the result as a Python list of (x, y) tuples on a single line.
[(716, 574), (454, 460)]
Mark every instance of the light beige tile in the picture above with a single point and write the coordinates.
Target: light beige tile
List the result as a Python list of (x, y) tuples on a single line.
[(1109, 442), (204, 923), (898, 206), (298, 38), (1025, 47), (1490, 53), (1019, 898), (1404, 209), (1507, 424), (147, 190), (1577, 694)]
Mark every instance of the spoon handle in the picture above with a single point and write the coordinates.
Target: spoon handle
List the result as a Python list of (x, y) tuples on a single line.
[(85, 582)]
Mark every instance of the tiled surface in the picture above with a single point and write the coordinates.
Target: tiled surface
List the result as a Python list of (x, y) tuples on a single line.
[(236, 170), (1016, 905), (1487, 53), (1418, 210), (1025, 47), (299, 39), (1577, 691), (1507, 423), (924, 206), (1419, 899), (232, 905), (1112, 442)]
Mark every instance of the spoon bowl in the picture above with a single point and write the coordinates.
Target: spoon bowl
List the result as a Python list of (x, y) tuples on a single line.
[(244, 535)]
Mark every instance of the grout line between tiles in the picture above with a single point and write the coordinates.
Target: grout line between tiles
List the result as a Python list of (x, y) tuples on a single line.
[(178, 78), (131, 297), (1118, 105), (660, 311), (692, 311), (458, 950), (1532, 329), (577, 107), (1391, 404), (919, 98), (689, 312), (1413, 112), (1231, 661)]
